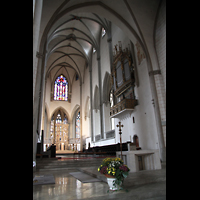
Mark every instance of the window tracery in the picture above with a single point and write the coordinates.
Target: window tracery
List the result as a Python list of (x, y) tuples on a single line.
[(59, 131), (61, 89)]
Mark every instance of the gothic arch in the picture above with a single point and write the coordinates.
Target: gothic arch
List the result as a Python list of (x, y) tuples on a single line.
[(100, 9), (63, 111), (75, 110), (114, 17), (106, 12), (76, 107), (62, 70)]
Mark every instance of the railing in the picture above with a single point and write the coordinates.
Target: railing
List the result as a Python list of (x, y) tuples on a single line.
[(124, 104)]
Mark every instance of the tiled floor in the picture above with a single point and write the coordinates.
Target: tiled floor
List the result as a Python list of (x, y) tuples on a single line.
[(66, 187)]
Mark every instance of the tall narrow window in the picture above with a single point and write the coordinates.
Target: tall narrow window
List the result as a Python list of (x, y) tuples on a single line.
[(52, 129), (111, 105), (65, 119), (103, 32), (58, 119), (78, 125), (61, 89), (58, 128)]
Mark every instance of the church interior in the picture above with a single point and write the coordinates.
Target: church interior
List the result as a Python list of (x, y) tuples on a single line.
[(97, 65)]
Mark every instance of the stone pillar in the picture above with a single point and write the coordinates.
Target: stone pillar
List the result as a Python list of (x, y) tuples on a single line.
[(91, 100), (37, 13), (155, 102), (81, 117), (100, 97)]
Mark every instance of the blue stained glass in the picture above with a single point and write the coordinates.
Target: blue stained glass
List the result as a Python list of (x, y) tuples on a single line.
[(61, 88), (78, 125)]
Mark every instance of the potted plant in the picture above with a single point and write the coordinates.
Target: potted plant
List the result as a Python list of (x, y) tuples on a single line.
[(115, 171)]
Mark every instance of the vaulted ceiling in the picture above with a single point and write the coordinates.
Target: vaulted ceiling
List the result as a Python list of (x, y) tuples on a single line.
[(70, 44)]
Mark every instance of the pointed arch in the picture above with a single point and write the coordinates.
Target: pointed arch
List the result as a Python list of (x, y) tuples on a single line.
[(76, 107), (63, 111)]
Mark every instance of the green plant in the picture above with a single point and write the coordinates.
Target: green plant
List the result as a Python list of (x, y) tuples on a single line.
[(114, 167)]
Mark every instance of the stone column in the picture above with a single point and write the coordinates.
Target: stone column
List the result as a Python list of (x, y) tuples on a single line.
[(81, 117), (91, 100), (155, 102), (100, 97), (37, 13)]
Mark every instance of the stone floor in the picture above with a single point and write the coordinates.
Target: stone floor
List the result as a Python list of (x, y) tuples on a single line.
[(147, 185)]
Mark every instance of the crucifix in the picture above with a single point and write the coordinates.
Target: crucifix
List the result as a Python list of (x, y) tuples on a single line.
[(120, 132)]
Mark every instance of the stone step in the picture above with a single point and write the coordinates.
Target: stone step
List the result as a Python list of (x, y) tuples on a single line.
[(50, 164), (69, 162)]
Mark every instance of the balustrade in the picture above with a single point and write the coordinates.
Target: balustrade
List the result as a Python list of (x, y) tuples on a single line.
[(122, 105)]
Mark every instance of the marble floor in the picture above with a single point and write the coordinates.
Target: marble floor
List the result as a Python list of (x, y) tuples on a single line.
[(67, 187)]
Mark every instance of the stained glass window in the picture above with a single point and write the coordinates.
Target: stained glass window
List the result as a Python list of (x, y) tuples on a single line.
[(78, 125), (52, 129), (58, 119), (65, 119), (103, 32), (61, 89)]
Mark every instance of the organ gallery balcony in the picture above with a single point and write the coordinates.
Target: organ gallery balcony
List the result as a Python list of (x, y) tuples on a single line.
[(125, 106)]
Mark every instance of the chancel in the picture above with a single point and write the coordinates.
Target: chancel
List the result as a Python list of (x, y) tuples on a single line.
[(97, 64)]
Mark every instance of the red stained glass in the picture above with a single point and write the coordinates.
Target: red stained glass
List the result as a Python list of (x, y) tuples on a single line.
[(61, 88)]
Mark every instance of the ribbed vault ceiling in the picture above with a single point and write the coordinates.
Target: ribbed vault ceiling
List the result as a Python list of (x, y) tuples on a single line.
[(70, 43)]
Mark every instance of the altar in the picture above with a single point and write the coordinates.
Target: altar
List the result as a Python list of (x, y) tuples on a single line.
[(138, 160)]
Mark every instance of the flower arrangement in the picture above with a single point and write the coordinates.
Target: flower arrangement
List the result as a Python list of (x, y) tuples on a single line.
[(115, 168)]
